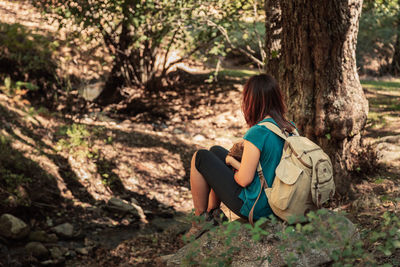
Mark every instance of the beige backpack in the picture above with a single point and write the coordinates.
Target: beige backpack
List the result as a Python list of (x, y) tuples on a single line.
[(303, 177)]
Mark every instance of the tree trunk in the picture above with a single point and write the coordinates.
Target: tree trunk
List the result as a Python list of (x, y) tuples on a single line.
[(318, 74), (395, 66), (111, 93), (120, 74)]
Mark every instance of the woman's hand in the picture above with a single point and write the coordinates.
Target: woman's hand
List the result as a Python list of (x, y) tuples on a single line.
[(229, 160)]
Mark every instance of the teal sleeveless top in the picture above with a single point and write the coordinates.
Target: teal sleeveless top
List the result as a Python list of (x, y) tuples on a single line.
[(270, 146)]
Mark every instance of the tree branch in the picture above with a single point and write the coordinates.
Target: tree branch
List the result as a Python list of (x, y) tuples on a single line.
[(167, 52), (190, 53), (223, 31), (260, 45)]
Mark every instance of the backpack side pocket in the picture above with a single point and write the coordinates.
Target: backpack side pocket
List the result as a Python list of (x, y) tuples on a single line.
[(322, 183), (284, 186)]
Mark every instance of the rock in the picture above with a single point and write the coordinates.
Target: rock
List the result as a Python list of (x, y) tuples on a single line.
[(51, 262), (57, 258), (42, 236), (199, 138), (134, 201), (89, 243), (177, 131), (95, 210), (37, 249), (12, 227), (121, 206), (70, 254), (64, 230), (83, 251), (270, 250), (91, 90), (56, 253), (49, 222), (171, 227), (166, 258)]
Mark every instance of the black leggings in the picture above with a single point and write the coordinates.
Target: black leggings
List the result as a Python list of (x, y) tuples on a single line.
[(211, 164)]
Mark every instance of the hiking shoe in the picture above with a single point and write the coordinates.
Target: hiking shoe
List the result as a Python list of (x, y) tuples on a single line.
[(218, 216)]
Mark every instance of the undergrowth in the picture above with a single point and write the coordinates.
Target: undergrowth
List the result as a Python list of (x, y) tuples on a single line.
[(329, 233), (21, 179), (25, 59), (78, 139)]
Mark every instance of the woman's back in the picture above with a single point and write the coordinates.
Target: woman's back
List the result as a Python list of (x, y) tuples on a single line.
[(270, 146)]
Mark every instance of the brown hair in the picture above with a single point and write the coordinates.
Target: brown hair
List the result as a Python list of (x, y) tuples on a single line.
[(261, 97)]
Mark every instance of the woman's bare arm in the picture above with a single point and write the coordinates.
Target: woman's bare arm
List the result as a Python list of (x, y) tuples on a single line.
[(248, 166)]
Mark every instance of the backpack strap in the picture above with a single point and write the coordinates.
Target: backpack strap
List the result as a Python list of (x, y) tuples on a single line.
[(278, 131), (263, 183), (282, 134)]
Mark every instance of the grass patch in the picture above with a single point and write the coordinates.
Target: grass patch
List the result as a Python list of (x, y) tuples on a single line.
[(382, 85), (382, 102), (376, 120), (385, 103), (231, 73), (238, 73)]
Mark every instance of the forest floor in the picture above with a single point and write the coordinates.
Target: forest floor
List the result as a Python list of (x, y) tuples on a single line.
[(80, 164), (58, 168)]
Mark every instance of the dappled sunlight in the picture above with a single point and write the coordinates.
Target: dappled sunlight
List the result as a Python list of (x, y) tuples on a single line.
[(384, 105), (175, 56), (97, 136), (25, 15)]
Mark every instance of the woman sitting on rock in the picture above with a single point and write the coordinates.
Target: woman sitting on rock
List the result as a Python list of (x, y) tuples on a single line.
[(216, 176)]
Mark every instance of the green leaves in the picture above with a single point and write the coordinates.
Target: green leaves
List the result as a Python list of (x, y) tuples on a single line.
[(27, 85), (325, 231), (377, 32), (28, 57), (328, 136), (140, 33), (388, 238)]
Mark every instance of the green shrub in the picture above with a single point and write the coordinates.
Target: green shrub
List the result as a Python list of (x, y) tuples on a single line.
[(25, 58), (77, 139), (377, 33), (105, 169), (13, 172), (320, 230), (384, 240)]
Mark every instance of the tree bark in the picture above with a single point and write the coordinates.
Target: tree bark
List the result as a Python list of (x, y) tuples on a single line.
[(395, 66), (317, 72), (111, 93)]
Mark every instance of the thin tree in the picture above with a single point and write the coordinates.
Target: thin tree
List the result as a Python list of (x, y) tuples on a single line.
[(395, 65), (317, 71)]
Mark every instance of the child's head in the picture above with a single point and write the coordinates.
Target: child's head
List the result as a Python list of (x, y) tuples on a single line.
[(262, 97)]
